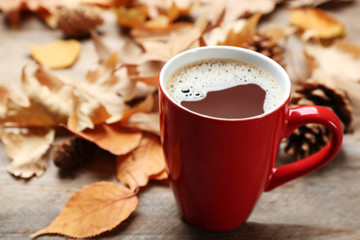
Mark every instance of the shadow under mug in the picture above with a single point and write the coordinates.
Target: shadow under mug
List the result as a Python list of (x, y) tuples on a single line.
[(218, 167)]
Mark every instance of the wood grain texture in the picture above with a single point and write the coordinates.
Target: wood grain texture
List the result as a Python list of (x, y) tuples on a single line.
[(322, 205)]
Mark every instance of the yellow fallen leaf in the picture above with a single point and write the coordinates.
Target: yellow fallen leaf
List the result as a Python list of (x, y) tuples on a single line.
[(114, 138), (136, 168), (316, 23), (27, 147), (58, 54), (94, 209)]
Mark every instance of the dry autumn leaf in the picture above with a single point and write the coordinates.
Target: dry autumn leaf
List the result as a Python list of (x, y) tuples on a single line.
[(316, 23), (136, 168), (114, 138), (338, 66), (58, 54), (27, 147), (94, 209), (234, 34), (174, 41), (342, 59), (234, 9), (144, 116), (101, 97), (47, 101)]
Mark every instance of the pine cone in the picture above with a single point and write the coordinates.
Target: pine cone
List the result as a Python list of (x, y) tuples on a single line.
[(310, 138), (73, 152), (263, 44), (78, 21)]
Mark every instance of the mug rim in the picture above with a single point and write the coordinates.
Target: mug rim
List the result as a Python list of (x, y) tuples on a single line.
[(266, 60)]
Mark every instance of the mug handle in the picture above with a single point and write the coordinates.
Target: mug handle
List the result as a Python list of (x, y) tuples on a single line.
[(300, 116)]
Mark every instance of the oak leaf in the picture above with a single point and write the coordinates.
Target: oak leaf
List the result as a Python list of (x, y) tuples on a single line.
[(94, 209), (142, 163), (58, 54), (27, 147), (338, 66), (316, 23), (114, 138)]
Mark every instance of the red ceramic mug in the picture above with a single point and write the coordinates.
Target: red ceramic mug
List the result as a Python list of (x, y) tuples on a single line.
[(218, 168)]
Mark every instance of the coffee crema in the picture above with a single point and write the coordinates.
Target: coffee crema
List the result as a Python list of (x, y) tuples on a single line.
[(194, 81)]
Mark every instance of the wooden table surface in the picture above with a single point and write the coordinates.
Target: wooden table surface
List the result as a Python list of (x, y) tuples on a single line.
[(322, 205)]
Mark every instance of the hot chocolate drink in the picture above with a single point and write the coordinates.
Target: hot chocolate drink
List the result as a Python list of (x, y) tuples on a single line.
[(224, 88)]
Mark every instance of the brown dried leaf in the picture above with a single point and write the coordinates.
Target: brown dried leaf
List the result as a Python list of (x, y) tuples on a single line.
[(316, 23), (58, 54), (12, 95), (342, 59), (234, 9), (338, 66), (27, 147), (172, 42), (101, 97), (94, 209), (240, 37), (145, 161), (47, 101), (114, 138), (147, 72), (144, 116)]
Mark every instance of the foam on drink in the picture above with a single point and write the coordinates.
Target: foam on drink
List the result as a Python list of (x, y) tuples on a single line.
[(194, 81)]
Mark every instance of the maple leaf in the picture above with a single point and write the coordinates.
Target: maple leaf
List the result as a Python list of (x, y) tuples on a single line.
[(94, 209), (58, 54), (47, 101), (145, 161), (316, 23), (338, 66), (114, 138), (27, 147)]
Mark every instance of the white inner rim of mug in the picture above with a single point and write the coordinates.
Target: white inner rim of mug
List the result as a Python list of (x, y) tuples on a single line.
[(227, 52)]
